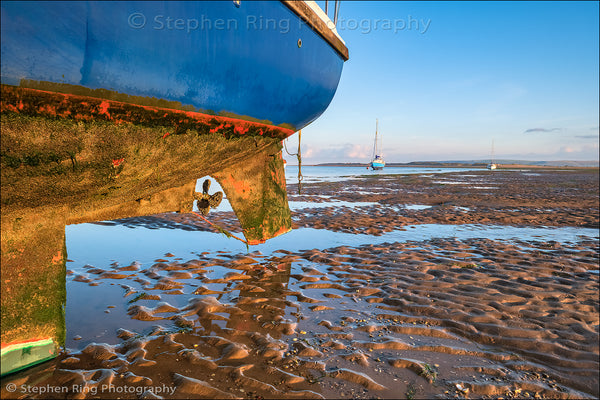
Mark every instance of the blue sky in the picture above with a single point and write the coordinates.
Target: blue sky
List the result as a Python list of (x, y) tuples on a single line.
[(446, 78)]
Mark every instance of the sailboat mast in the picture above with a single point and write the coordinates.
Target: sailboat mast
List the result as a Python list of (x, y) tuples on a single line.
[(375, 141), (376, 132), (379, 144)]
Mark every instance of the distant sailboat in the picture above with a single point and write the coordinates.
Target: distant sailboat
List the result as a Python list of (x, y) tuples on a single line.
[(492, 165), (377, 161)]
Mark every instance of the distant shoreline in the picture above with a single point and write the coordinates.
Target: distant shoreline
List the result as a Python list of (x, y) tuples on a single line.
[(452, 165)]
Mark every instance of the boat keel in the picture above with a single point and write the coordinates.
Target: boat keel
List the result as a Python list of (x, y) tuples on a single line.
[(256, 190)]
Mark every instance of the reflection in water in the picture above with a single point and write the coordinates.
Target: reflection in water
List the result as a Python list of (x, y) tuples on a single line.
[(263, 296)]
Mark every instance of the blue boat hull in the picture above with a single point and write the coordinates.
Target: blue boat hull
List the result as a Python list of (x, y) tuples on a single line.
[(255, 59)]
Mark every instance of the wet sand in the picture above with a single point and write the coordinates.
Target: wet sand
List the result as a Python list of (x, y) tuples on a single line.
[(436, 318)]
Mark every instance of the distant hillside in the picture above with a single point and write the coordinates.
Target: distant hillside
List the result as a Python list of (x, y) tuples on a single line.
[(557, 163), (475, 163)]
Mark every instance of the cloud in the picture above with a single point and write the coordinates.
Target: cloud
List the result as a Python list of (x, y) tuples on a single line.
[(574, 152), (542, 130), (355, 151), (308, 151), (344, 152), (566, 149), (347, 151), (587, 136)]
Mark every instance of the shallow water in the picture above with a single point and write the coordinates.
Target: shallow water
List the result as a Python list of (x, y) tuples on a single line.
[(416, 206), (101, 245), (298, 205), (313, 173)]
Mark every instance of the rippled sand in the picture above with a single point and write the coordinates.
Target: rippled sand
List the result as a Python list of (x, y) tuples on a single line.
[(424, 319)]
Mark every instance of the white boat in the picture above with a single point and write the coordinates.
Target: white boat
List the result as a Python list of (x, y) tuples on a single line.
[(492, 165), (377, 162)]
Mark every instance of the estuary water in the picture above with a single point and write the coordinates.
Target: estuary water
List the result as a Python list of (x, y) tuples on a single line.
[(318, 173)]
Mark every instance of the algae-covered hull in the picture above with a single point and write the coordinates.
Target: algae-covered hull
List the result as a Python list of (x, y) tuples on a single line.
[(58, 171)]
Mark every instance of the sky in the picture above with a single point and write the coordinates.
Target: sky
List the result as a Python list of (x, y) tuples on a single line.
[(448, 79)]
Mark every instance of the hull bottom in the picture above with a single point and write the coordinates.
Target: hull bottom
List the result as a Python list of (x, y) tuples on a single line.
[(60, 103), (91, 155), (68, 160)]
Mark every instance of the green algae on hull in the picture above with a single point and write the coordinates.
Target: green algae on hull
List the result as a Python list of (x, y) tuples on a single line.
[(58, 171), (33, 284)]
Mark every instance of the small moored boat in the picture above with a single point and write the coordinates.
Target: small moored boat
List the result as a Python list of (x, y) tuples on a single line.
[(377, 162), (492, 165)]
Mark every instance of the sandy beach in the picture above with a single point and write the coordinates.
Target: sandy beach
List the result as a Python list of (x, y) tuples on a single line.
[(443, 317)]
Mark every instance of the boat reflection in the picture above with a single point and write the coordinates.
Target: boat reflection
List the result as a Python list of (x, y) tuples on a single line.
[(263, 297)]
